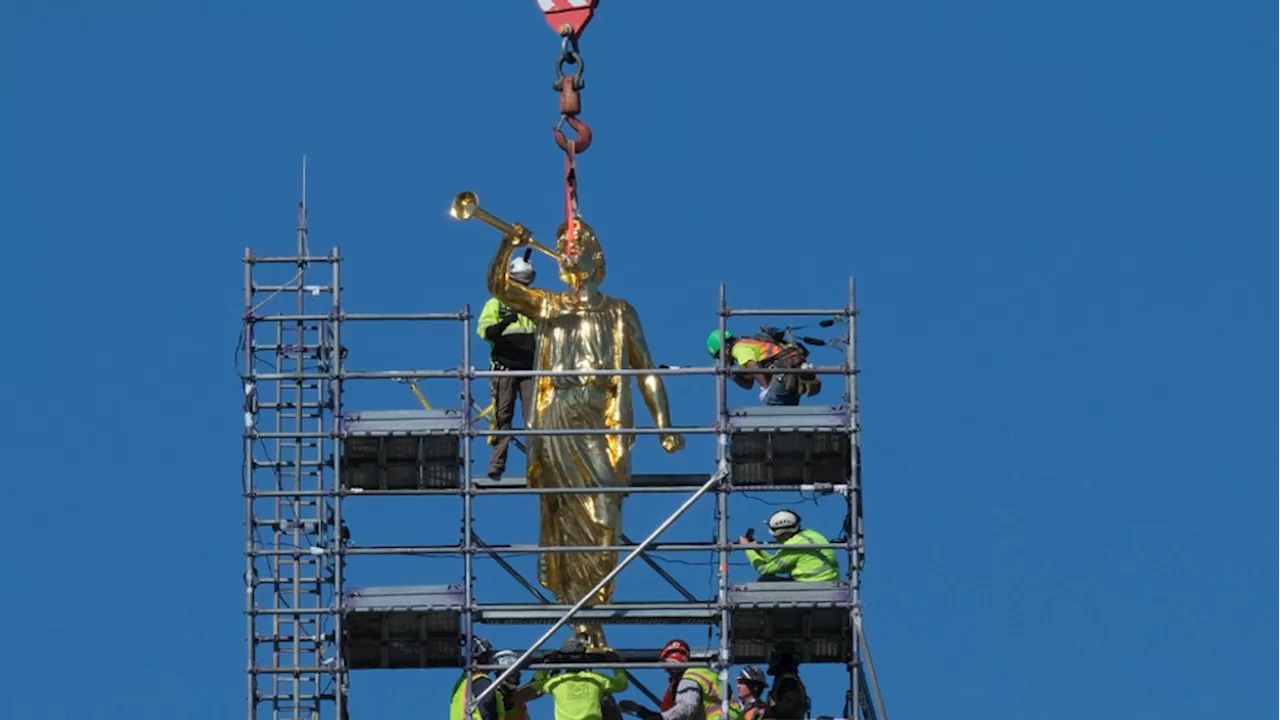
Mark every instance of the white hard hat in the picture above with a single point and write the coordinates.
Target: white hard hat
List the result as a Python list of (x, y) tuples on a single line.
[(783, 521), (753, 674), (522, 271), (505, 658)]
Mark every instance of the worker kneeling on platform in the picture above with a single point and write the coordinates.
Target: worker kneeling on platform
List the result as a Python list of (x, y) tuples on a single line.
[(515, 699), (801, 565), (511, 341), (491, 707), (693, 693), (578, 694), (764, 352)]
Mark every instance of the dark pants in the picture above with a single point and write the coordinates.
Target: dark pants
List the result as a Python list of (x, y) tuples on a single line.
[(504, 391)]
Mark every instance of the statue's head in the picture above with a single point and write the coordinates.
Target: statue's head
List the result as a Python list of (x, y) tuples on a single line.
[(585, 260)]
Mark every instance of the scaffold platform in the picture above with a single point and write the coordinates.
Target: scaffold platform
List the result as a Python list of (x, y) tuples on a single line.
[(814, 616), (403, 451), (414, 626)]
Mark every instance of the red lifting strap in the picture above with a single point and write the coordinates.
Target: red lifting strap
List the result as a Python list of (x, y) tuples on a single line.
[(573, 14)]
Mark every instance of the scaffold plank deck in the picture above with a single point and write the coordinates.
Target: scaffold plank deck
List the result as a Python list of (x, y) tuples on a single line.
[(640, 480), (390, 423), (790, 593), (633, 614), (783, 418)]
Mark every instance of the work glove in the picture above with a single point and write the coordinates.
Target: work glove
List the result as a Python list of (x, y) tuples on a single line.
[(508, 316), (764, 393), (631, 707)]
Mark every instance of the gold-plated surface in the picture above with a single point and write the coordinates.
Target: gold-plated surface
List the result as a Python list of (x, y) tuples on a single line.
[(466, 205), (582, 329)]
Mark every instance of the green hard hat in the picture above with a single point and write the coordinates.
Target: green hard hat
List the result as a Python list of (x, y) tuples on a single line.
[(713, 341)]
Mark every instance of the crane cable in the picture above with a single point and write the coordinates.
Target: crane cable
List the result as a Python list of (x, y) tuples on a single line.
[(569, 18)]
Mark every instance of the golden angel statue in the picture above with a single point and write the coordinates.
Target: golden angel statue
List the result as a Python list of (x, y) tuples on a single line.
[(581, 329)]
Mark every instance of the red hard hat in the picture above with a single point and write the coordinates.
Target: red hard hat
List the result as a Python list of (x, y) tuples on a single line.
[(676, 651)]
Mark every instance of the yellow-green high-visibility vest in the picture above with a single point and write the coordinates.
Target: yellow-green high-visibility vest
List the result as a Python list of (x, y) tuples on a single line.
[(708, 681), (458, 708)]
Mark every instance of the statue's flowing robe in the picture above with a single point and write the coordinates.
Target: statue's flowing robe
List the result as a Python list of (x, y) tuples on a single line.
[(581, 338), (603, 334)]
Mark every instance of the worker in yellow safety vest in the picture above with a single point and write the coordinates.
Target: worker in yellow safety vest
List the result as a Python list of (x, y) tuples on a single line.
[(750, 704), (515, 697), (802, 565), (578, 694), (695, 695), (512, 342), (762, 353), (491, 708)]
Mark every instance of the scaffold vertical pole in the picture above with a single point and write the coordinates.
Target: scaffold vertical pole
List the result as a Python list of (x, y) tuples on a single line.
[(854, 501), (282, 503), (856, 418), (468, 539), (723, 659), (250, 565), (339, 546), (297, 504)]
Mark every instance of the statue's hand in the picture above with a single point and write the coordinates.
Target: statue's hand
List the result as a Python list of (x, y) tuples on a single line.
[(672, 442)]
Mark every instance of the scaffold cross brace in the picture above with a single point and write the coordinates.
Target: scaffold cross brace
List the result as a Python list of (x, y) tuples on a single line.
[(568, 17)]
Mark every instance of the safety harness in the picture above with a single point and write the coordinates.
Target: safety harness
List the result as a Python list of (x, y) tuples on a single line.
[(788, 694), (786, 356)]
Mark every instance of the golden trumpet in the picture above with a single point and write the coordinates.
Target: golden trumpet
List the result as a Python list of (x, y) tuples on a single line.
[(466, 205)]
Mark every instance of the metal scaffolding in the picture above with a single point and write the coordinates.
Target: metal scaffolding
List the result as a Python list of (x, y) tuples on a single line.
[(306, 454)]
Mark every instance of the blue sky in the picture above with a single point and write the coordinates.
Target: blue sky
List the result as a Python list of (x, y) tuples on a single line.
[(1055, 214)]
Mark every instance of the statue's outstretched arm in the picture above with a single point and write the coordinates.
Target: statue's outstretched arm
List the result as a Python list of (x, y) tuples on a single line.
[(525, 300), (651, 387)]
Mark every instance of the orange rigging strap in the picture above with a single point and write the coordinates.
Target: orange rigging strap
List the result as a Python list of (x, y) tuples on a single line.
[(569, 18)]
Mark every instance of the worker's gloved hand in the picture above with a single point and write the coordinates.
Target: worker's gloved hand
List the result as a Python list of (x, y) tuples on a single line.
[(631, 707), (764, 393), (507, 316)]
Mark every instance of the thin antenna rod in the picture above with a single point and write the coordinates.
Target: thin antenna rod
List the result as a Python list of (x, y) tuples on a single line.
[(302, 212)]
